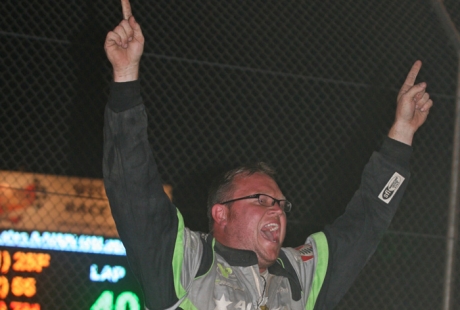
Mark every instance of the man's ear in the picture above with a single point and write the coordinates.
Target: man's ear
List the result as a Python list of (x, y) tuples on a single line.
[(219, 214)]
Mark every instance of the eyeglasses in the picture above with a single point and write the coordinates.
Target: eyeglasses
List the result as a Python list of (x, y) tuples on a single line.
[(266, 201)]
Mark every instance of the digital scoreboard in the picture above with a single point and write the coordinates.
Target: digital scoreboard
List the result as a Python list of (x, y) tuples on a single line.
[(55, 252), (45, 270)]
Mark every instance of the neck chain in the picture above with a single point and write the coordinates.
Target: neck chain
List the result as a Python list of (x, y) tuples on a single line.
[(261, 296)]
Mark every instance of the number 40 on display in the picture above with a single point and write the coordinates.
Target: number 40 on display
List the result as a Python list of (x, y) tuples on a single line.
[(126, 300)]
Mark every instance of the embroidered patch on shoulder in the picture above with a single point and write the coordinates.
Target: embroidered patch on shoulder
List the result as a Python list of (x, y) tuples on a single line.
[(391, 187), (306, 252)]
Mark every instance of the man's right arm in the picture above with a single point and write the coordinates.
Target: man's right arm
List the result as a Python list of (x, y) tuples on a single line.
[(147, 222)]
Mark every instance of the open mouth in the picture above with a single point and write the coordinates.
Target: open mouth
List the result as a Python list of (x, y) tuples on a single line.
[(271, 232)]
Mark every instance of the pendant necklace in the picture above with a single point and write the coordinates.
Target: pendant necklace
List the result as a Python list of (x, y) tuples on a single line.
[(262, 296), (264, 307)]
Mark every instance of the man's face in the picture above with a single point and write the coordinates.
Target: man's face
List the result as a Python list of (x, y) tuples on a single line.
[(251, 226)]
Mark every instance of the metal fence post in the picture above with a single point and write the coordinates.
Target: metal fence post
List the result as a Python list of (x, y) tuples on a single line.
[(452, 220)]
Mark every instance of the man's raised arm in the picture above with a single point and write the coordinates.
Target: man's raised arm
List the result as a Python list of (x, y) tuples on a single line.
[(354, 236), (146, 220)]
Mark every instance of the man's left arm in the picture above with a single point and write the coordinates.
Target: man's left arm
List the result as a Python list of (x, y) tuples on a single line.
[(353, 237)]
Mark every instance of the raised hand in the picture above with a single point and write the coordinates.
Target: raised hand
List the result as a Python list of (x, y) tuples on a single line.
[(124, 46), (413, 106)]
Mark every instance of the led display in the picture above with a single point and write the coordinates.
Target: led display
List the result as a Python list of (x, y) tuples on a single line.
[(46, 270)]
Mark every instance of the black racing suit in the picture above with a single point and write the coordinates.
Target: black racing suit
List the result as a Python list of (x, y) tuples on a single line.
[(177, 267)]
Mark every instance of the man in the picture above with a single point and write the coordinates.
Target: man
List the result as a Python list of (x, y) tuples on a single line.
[(241, 264)]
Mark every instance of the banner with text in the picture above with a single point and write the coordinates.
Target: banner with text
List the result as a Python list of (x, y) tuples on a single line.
[(30, 201)]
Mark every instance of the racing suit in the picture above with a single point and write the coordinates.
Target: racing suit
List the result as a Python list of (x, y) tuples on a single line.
[(180, 268)]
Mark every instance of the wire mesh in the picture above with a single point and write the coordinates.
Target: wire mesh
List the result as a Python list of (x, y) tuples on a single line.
[(307, 86)]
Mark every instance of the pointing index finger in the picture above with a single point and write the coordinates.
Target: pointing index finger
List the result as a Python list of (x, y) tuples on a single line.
[(126, 7), (410, 80)]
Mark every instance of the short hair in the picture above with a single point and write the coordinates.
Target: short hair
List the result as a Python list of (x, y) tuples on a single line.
[(221, 188)]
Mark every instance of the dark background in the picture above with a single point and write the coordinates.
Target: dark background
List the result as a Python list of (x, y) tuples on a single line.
[(307, 86)]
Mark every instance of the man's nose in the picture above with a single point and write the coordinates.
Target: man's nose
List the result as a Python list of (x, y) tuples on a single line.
[(276, 207)]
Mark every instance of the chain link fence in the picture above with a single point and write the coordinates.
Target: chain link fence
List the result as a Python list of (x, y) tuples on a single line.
[(307, 86)]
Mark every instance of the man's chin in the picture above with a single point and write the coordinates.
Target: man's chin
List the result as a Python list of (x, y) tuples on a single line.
[(269, 257), (265, 263), (268, 251)]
